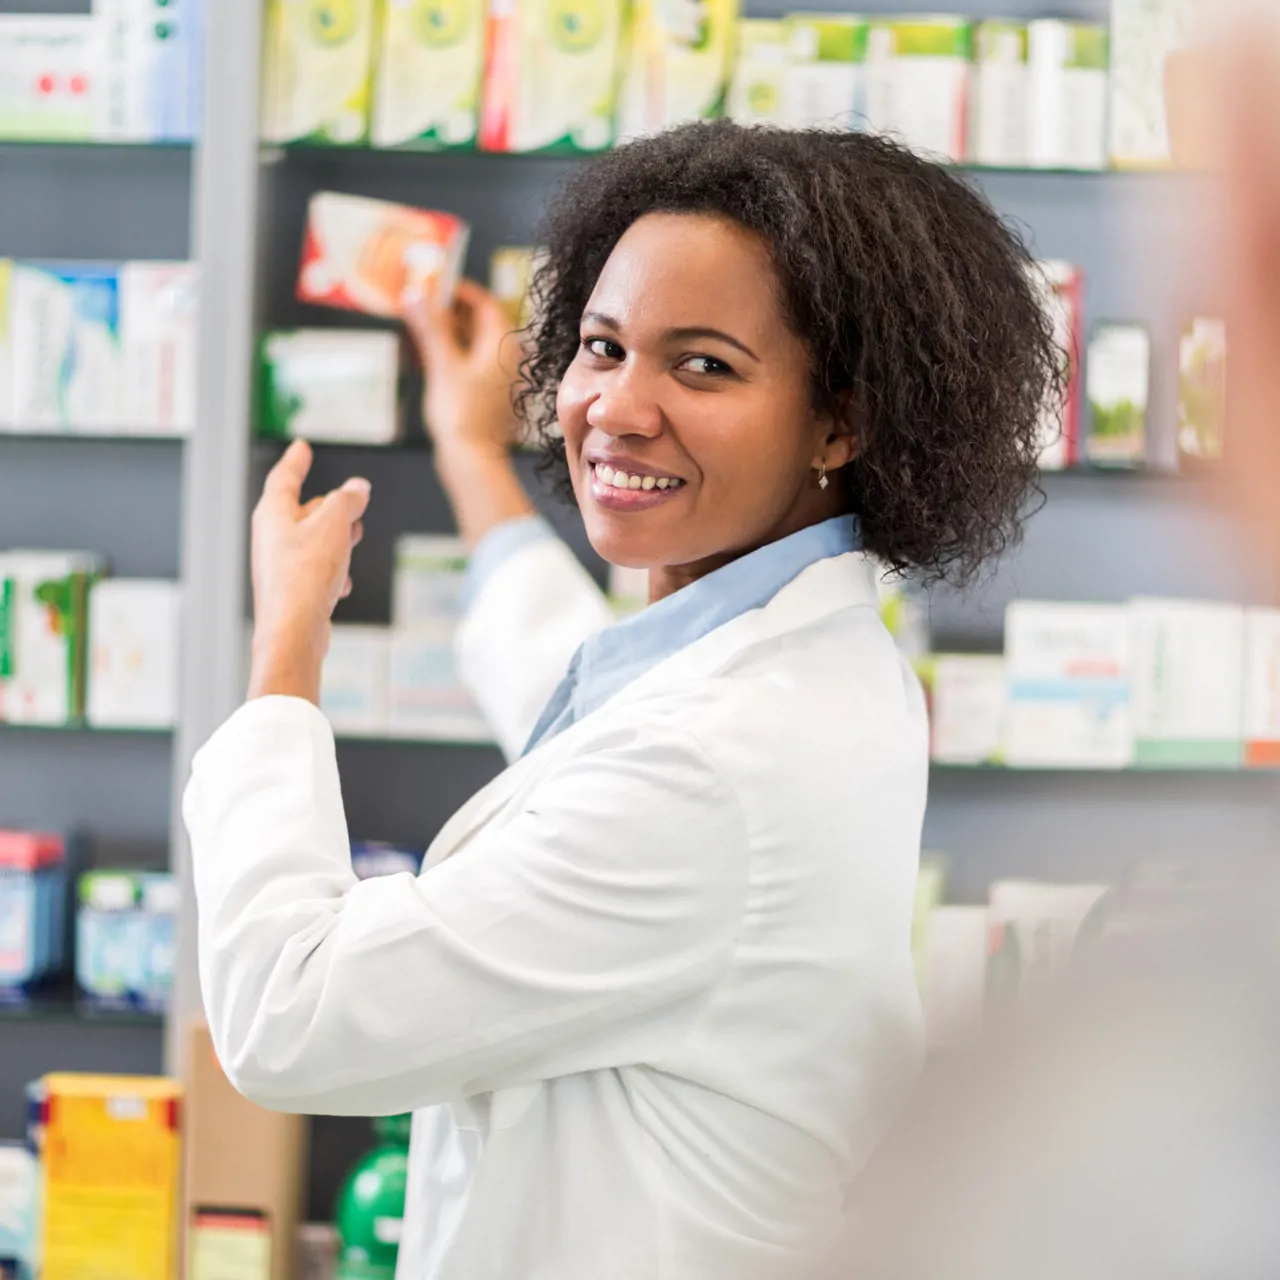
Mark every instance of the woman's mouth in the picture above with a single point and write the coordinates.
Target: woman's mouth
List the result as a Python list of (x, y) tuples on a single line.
[(619, 490)]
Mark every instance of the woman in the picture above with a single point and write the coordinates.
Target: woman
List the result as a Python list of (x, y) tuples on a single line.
[(652, 997)]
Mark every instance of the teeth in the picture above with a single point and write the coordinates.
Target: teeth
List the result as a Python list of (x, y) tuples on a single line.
[(650, 481), (636, 482), (663, 483), (621, 480), (606, 475)]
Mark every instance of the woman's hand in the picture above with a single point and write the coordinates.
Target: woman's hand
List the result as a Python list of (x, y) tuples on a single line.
[(301, 568)]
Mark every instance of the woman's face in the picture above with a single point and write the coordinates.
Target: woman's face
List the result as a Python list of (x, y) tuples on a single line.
[(689, 378)]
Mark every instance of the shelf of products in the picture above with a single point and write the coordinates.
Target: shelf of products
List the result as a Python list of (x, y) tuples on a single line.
[(65, 1006)]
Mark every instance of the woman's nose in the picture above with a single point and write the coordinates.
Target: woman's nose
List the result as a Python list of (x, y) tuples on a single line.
[(625, 405)]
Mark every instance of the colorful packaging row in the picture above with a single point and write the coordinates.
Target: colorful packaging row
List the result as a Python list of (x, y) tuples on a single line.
[(579, 75), (1153, 683), (76, 646), (98, 348), (129, 71)]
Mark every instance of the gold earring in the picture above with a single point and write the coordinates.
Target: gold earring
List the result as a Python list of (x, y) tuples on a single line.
[(822, 477)]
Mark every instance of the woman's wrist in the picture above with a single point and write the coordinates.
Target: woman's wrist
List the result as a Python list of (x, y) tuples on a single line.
[(287, 661), (482, 486)]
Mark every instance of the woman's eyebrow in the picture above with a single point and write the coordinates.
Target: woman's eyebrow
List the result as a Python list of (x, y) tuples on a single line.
[(703, 331)]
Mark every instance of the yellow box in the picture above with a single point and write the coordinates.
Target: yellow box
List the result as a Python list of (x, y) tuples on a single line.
[(109, 1173)]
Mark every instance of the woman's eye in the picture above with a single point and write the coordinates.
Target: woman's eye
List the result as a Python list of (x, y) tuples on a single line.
[(706, 364), (603, 348)]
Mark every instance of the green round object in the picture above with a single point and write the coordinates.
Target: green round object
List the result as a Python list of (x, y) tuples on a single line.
[(441, 23), (370, 1208), (576, 25)]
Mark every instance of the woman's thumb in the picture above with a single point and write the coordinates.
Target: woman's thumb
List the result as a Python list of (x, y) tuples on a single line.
[(349, 503)]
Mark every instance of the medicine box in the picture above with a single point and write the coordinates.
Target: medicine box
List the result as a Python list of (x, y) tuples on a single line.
[(1261, 692), (429, 74), (428, 579), (8, 392), (826, 58), (1067, 101), (50, 77), (551, 81), (111, 937), (1067, 670), (1188, 674), (17, 1209), (1061, 289), (318, 71), (758, 86), (159, 324), (33, 909), (133, 653), (353, 681), (1118, 374), (999, 134), (331, 385), (425, 696), (1202, 391), (109, 1171), (967, 708)]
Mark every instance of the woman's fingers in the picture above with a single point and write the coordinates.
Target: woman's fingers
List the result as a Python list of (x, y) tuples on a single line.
[(283, 488), (357, 533)]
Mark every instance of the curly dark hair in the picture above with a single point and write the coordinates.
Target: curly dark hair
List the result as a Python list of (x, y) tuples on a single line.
[(915, 301)]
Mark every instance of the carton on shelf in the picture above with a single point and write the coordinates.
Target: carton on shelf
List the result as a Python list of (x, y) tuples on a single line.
[(1061, 289), (111, 938), (1118, 372), (1202, 391), (761, 68), (430, 70), (552, 75), (428, 576), (824, 82), (353, 683), (8, 392), (953, 980), (1261, 693), (998, 129), (967, 708), (50, 76), (159, 330), (133, 653), (426, 698), (1067, 95)]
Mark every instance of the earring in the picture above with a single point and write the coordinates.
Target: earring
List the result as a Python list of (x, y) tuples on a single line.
[(822, 477)]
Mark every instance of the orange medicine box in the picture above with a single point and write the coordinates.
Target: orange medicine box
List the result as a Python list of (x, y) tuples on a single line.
[(109, 1172)]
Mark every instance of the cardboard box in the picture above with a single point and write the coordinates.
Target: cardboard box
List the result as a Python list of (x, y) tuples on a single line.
[(50, 73), (159, 330), (1067, 102), (1118, 372), (110, 1172), (1061, 289), (133, 653), (1202, 391), (430, 70), (967, 708), (825, 72), (8, 392), (353, 682), (757, 89), (998, 133), (428, 579), (245, 1175), (1261, 691), (426, 699)]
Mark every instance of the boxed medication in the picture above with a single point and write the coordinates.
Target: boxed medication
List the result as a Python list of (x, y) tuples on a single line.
[(353, 681), (50, 73), (43, 634), (425, 697), (967, 708), (827, 54), (373, 858), (159, 940), (551, 80), (1118, 373), (159, 331), (333, 385), (678, 63), (430, 68), (368, 255), (918, 82), (953, 980), (1068, 668), (1202, 391), (8, 406), (1188, 673), (68, 367), (110, 938), (34, 892), (133, 653), (428, 579), (318, 71), (17, 1210), (761, 69), (511, 272), (1067, 102), (998, 122), (1061, 287), (109, 1171), (1261, 693)]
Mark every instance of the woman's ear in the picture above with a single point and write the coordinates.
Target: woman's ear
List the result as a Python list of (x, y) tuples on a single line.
[(843, 442)]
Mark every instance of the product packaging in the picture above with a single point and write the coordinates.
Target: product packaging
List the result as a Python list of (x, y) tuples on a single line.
[(1068, 686), (427, 91), (245, 1176), (159, 330), (551, 78), (954, 975), (33, 910), (111, 938), (919, 73), (158, 929), (339, 386), (1067, 101), (133, 653), (153, 69), (368, 255), (761, 69), (1118, 372), (50, 72), (318, 71), (1261, 695), (43, 640), (1143, 35), (678, 63), (1188, 672), (1061, 287), (109, 1172), (511, 271), (373, 858), (998, 133), (8, 392), (68, 367), (967, 706), (428, 579), (353, 683), (825, 71), (426, 699), (17, 1209), (1202, 391)]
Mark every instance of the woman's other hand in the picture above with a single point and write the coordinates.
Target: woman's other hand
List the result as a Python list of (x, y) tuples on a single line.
[(301, 569)]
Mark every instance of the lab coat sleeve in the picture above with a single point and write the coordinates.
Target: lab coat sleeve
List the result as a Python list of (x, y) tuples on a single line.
[(525, 620), (584, 933)]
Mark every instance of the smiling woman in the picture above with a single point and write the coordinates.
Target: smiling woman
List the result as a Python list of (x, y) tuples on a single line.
[(651, 999)]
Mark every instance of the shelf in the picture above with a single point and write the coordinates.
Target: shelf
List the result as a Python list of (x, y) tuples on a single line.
[(64, 1006), (93, 437), (103, 731), (1094, 771), (383, 739), (62, 145)]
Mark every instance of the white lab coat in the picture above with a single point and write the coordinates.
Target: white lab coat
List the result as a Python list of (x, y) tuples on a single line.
[(651, 998)]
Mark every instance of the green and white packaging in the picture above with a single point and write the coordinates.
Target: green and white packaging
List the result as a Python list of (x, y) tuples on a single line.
[(827, 53), (44, 634), (339, 386), (919, 73), (318, 71), (1118, 377), (1202, 391), (756, 92), (430, 71), (998, 121), (1067, 102)]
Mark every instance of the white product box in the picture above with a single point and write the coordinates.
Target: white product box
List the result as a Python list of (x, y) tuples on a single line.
[(50, 73), (1188, 675), (953, 983), (153, 69), (68, 367), (427, 581), (1261, 695), (133, 653), (998, 134), (159, 329), (1067, 101), (1067, 667), (1061, 288), (1118, 373), (8, 402), (967, 709), (826, 63), (353, 682), (760, 70), (918, 83), (426, 699)]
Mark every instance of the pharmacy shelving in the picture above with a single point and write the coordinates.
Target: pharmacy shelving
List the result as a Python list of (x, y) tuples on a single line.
[(63, 1006)]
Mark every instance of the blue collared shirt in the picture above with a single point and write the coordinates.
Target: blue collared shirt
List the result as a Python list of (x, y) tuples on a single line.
[(608, 661)]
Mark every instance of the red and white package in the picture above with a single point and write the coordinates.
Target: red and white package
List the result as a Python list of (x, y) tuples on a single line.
[(1062, 287), (370, 255)]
